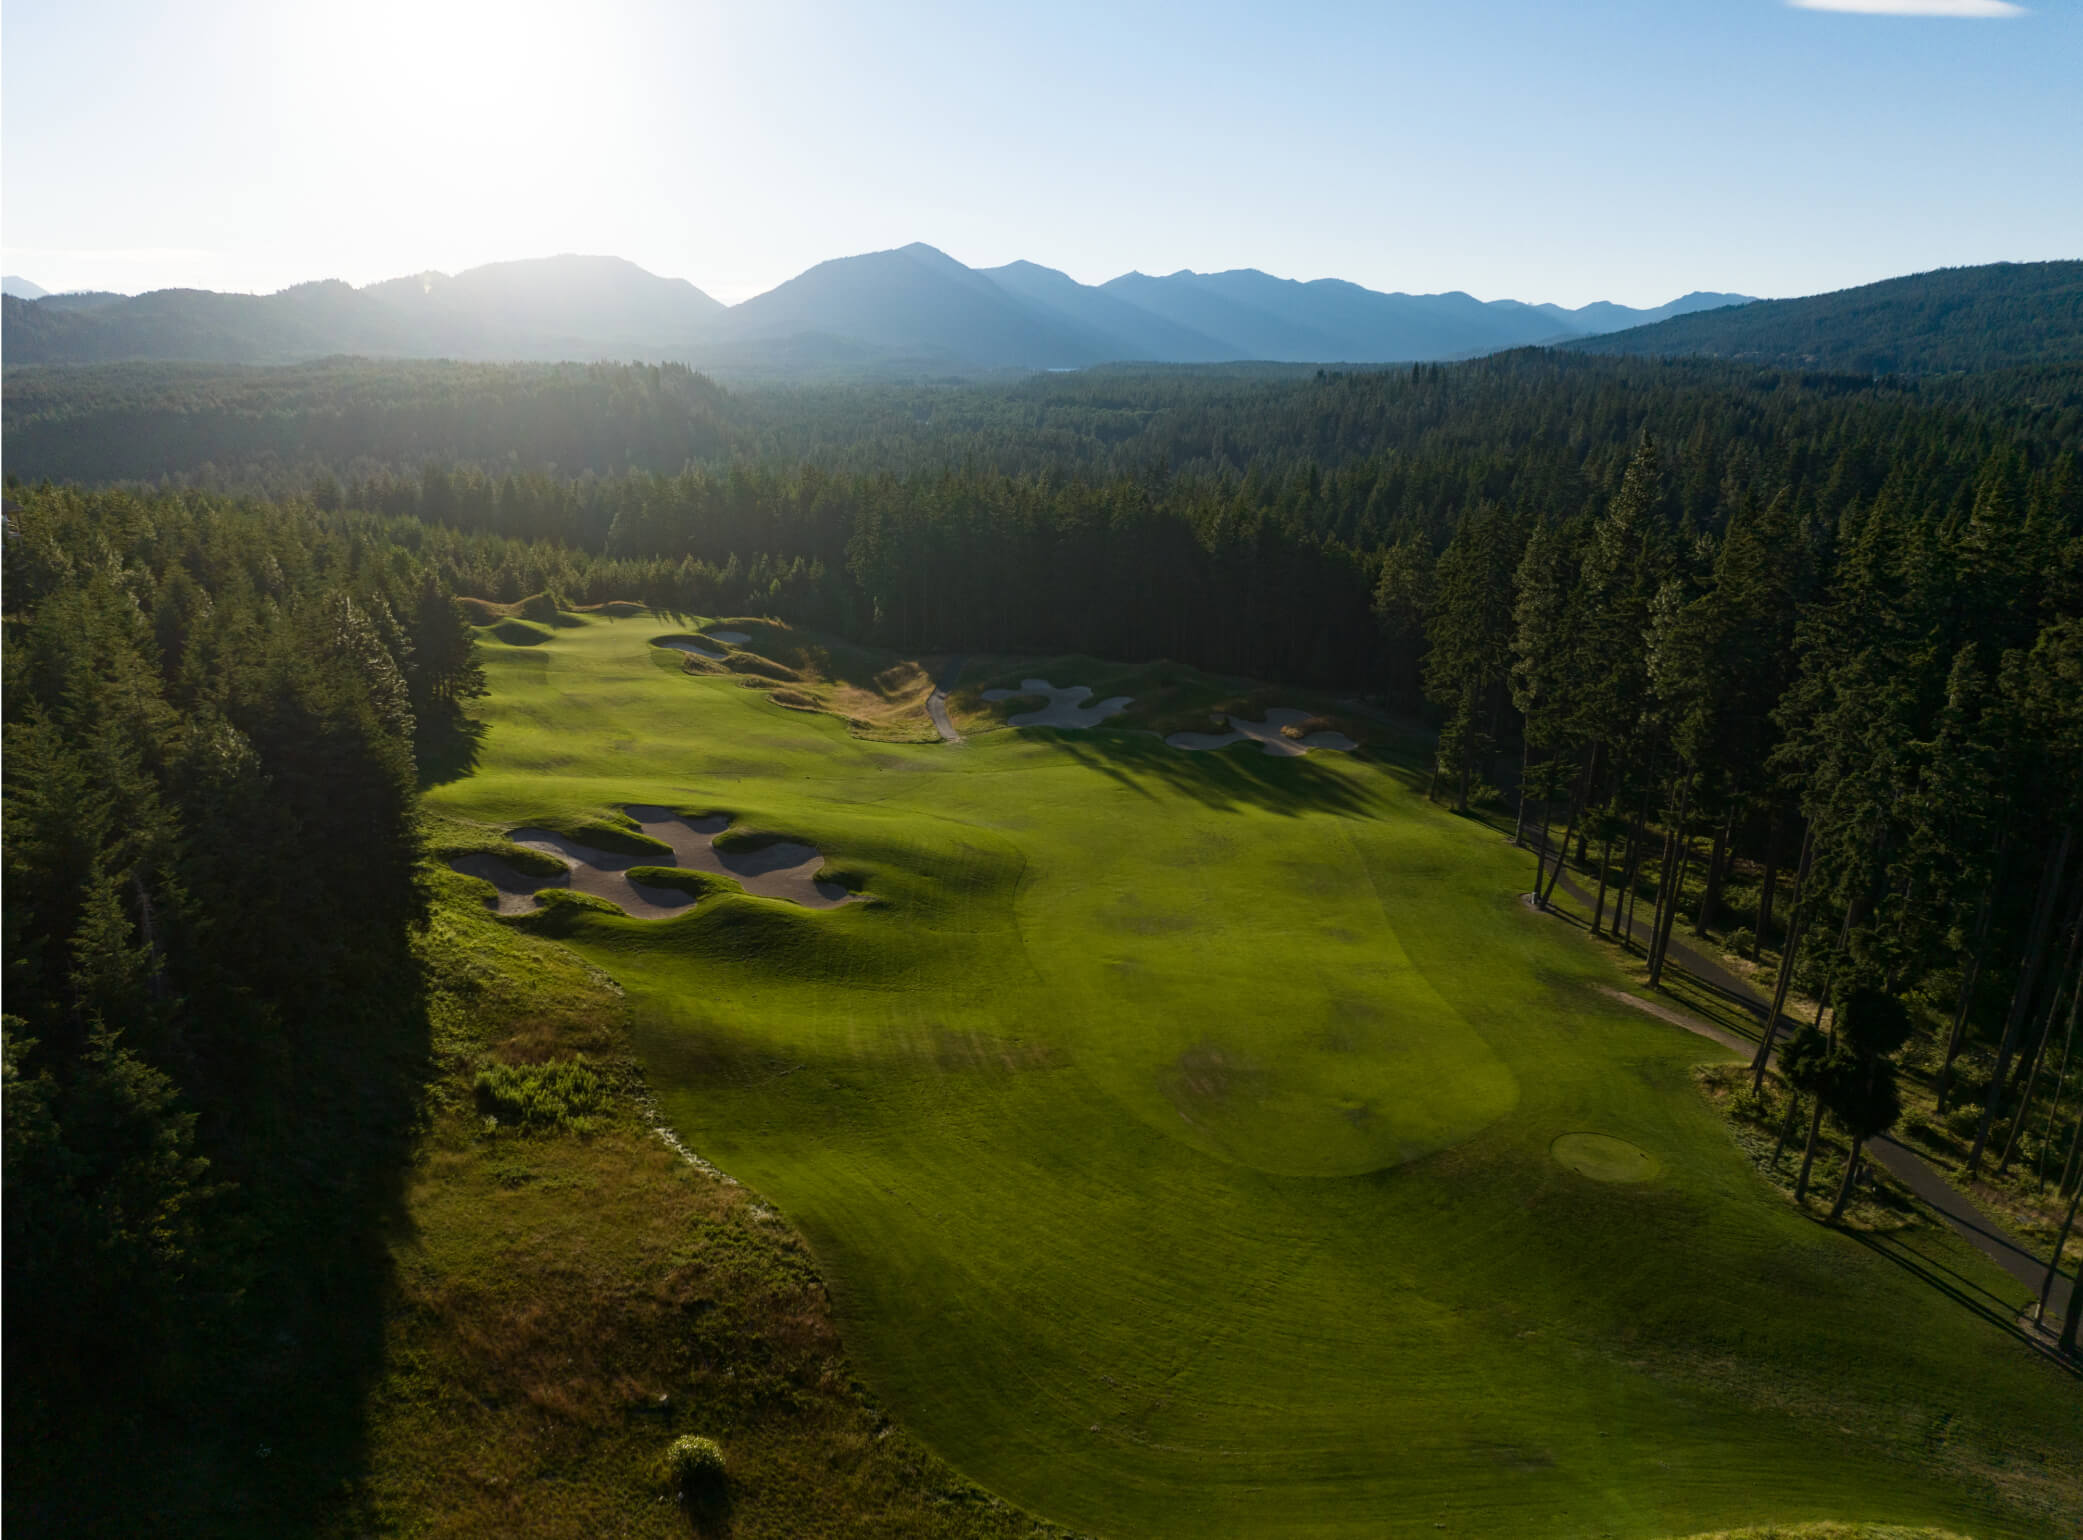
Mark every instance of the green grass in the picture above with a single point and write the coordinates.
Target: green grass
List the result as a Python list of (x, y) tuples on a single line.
[(1173, 1133), (568, 1297)]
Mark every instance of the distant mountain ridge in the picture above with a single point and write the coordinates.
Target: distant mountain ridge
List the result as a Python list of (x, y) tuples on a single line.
[(913, 307), (22, 288), (1953, 319)]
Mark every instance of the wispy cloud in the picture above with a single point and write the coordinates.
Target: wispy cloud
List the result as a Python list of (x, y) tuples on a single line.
[(1979, 10)]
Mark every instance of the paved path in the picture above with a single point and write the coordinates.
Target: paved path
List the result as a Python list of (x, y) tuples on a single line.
[(1904, 1164), (936, 703), (1974, 1226)]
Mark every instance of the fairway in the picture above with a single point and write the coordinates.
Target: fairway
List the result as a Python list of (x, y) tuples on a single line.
[(1206, 1143)]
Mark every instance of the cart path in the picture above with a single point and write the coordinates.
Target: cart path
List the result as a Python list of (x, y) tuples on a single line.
[(1952, 1205), (936, 703)]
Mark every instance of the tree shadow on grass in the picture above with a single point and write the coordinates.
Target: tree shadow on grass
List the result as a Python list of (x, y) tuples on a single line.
[(1240, 776), (448, 751), (709, 1513), (1963, 1292)]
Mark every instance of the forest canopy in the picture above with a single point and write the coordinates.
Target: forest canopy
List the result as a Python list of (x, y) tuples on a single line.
[(1709, 615)]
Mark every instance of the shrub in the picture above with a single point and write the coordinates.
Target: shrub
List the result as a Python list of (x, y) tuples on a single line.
[(1750, 1106), (1741, 940), (567, 1094), (1300, 730), (694, 1465), (1964, 1119)]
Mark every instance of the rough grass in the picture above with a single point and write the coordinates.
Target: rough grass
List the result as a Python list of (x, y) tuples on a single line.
[(1174, 1138), (876, 693), (1827, 1531), (1879, 1204), (569, 1301), (567, 1095)]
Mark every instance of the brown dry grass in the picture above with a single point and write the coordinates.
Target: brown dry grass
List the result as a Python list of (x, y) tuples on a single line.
[(565, 1306)]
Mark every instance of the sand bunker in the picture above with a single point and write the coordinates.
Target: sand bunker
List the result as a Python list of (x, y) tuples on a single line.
[(1066, 706), (517, 889), (1604, 1158), (784, 869), (587, 870), (728, 638), (688, 644), (1267, 734), (781, 869)]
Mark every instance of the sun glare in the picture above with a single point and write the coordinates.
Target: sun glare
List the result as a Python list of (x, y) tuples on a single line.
[(466, 115)]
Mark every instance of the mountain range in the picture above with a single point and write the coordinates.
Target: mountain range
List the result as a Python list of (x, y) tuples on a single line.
[(913, 309)]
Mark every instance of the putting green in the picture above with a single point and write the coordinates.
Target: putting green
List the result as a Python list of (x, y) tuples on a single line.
[(1604, 1158), (1176, 1133)]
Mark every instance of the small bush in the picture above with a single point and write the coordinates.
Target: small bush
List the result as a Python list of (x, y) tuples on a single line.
[(694, 1465), (1750, 1107), (566, 1094), (1964, 1119), (1297, 731), (1742, 941)]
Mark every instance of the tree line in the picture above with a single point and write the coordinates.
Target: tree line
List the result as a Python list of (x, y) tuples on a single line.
[(213, 1029), (1790, 659), (1885, 700)]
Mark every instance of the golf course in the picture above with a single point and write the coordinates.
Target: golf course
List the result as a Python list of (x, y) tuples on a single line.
[(1207, 1140)]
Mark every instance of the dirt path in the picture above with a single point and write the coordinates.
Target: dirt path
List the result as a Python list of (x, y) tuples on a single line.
[(1904, 1164), (1678, 1018), (936, 703)]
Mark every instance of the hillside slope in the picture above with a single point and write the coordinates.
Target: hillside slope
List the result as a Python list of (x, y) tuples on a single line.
[(1952, 320)]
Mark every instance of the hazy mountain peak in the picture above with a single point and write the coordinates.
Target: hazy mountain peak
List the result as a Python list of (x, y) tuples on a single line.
[(909, 306), (22, 288)]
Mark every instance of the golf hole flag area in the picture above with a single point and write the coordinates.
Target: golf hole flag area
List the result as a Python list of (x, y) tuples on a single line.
[(1210, 1143)]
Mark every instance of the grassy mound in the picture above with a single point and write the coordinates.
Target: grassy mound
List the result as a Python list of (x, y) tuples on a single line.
[(516, 632), (1176, 1135), (1604, 1158), (696, 884)]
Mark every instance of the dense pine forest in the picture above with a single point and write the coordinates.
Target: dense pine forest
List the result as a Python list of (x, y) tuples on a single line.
[(212, 712), (1961, 319), (1792, 661)]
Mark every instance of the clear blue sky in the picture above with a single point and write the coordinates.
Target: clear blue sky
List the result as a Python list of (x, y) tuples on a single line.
[(1514, 148)]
